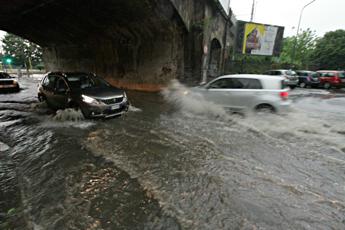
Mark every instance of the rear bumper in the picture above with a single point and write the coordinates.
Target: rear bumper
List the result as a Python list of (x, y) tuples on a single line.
[(338, 85), (333, 84), (292, 83), (283, 107)]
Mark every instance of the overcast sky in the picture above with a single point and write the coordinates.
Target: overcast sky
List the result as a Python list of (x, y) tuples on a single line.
[(321, 16)]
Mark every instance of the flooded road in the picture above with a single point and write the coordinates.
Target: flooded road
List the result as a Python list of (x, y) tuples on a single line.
[(173, 164)]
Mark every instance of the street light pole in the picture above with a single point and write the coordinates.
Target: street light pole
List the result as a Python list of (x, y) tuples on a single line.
[(252, 14), (299, 24)]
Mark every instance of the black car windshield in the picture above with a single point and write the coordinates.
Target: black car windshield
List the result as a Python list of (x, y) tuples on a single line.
[(83, 81), (5, 76)]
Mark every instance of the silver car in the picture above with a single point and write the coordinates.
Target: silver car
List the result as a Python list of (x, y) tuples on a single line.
[(245, 92), (291, 78)]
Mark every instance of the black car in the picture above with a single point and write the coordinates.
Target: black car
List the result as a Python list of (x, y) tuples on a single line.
[(8, 83), (308, 78), (91, 94)]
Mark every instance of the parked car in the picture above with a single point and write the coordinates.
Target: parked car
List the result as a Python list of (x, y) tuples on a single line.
[(245, 93), (95, 97), (308, 78), (332, 78), (290, 76), (8, 83)]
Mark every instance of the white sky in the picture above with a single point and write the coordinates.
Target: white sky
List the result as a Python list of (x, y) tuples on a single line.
[(322, 15)]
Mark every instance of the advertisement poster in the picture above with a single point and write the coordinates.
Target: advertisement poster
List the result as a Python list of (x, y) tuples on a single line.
[(259, 39)]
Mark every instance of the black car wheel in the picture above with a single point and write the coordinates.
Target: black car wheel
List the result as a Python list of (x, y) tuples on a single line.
[(302, 84), (327, 85), (41, 98)]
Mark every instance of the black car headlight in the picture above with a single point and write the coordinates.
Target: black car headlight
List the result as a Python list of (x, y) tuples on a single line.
[(90, 100), (125, 97)]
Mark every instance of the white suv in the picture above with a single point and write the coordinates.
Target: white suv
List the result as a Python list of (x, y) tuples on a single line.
[(291, 78), (245, 92)]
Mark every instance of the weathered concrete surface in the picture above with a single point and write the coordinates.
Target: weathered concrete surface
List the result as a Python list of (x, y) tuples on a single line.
[(137, 44)]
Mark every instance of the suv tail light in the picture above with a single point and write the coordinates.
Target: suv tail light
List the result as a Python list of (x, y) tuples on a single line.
[(284, 95)]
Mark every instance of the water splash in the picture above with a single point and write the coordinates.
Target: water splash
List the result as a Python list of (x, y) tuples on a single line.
[(68, 115), (134, 109), (187, 99), (3, 147)]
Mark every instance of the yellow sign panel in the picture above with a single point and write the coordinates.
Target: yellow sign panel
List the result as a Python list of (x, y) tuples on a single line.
[(259, 39)]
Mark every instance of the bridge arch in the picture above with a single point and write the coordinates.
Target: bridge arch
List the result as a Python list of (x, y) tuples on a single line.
[(214, 63)]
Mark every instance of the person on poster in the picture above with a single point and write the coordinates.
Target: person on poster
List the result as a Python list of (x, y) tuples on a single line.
[(253, 41)]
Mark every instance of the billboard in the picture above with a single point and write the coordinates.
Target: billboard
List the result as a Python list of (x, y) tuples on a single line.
[(259, 39)]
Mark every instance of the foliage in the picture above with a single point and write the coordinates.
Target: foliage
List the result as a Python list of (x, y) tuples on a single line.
[(22, 51), (329, 52), (249, 64), (297, 50)]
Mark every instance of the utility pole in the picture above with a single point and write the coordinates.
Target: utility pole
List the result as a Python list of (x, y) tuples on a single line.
[(252, 14)]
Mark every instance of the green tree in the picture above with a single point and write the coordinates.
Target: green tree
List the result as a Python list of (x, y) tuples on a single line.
[(23, 52), (329, 52), (297, 50)]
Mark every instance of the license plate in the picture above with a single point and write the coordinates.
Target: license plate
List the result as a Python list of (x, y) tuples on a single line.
[(113, 107), (7, 86)]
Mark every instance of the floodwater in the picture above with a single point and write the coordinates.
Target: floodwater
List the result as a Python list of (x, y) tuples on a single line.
[(173, 162)]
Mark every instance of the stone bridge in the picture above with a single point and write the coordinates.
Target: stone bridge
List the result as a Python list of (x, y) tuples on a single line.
[(135, 44)]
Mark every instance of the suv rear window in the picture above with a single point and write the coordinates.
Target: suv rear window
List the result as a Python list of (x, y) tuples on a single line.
[(248, 83), (284, 85)]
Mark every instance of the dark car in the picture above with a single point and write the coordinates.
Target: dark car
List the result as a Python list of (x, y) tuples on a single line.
[(95, 97), (8, 83), (290, 76), (332, 78), (308, 78)]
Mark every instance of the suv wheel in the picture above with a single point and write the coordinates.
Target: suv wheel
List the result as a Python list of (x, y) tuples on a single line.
[(265, 108)]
